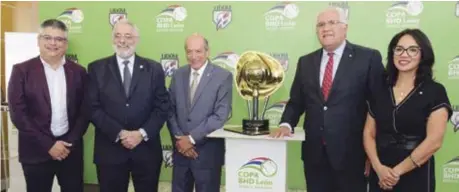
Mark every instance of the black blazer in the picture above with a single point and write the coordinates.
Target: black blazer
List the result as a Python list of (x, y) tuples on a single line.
[(111, 110), (340, 119)]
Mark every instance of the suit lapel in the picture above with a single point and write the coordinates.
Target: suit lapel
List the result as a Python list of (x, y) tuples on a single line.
[(205, 78), (317, 60), (41, 80), (137, 69), (69, 84), (113, 66), (344, 65), (186, 86)]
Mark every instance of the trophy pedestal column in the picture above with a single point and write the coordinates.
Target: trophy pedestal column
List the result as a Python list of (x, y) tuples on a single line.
[(255, 163)]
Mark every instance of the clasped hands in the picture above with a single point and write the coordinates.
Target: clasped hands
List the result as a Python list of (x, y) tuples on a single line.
[(388, 177), (59, 151), (185, 147), (130, 139)]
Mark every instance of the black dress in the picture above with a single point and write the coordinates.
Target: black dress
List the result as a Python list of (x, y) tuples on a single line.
[(400, 128)]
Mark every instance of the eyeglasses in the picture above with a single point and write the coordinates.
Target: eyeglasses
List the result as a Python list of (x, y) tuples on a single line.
[(127, 37), (331, 23), (49, 38), (412, 51)]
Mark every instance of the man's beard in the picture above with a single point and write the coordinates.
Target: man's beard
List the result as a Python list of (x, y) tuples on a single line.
[(126, 53)]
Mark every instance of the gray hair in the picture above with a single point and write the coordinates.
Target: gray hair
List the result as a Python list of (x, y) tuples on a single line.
[(126, 21), (340, 11), (53, 23)]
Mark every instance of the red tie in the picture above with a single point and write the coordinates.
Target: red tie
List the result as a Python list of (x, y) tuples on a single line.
[(328, 77)]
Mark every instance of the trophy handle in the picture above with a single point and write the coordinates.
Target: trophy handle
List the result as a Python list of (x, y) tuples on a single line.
[(264, 107), (249, 109)]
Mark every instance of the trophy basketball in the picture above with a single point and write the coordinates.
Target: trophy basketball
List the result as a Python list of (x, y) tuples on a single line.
[(258, 76)]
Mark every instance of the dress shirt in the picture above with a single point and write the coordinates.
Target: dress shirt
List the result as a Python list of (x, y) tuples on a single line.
[(338, 53), (57, 87)]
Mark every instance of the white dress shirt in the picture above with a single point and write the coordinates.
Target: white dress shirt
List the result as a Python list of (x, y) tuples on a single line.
[(200, 73), (57, 87), (121, 65), (131, 70), (338, 53)]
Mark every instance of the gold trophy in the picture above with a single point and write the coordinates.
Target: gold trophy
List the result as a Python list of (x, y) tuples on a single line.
[(258, 76)]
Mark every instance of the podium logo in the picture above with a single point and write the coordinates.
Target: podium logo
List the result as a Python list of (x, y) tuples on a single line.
[(453, 68), (274, 112), (170, 63), (451, 171), (116, 14), (171, 19), (455, 118), (72, 57), (404, 14), (72, 17), (281, 16), (222, 16), (226, 60), (257, 173)]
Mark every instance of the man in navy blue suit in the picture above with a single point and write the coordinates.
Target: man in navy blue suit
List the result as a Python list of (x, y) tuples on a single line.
[(129, 105)]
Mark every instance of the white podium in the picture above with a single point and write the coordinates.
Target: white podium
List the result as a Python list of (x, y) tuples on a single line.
[(256, 163)]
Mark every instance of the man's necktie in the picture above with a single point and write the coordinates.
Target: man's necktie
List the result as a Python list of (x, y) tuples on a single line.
[(194, 85), (328, 77), (127, 77)]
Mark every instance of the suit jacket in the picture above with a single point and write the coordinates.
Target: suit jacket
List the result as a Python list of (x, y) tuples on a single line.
[(340, 119), (30, 108), (112, 111), (209, 111)]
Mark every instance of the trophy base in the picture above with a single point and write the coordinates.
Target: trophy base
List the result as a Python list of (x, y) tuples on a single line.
[(252, 127)]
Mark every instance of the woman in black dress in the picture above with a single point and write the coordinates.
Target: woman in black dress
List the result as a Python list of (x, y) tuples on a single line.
[(407, 118)]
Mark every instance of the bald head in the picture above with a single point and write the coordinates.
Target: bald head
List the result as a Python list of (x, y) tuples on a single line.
[(197, 50), (195, 38)]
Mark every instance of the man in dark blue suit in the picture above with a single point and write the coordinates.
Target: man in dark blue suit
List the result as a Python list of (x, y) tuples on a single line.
[(332, 86), (129, 105)]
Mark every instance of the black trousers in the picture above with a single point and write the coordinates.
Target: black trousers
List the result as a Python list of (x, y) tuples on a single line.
[(115, 177), (40, 176), (322, 177)]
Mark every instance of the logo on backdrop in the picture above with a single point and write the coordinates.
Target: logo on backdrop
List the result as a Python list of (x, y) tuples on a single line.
[(222, 16), (282, 58), (274, 112), (453, 68), (457, 9), (451, 171), (73, 18), (226, 60), (455, 118), (343, 5), (167, 155), (116, 14), (404, 14), (281, 16), (72, 57), (171, 19), (257, 173), (170, 63)]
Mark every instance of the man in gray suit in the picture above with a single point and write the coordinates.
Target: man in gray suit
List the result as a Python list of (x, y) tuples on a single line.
[(201, 97)]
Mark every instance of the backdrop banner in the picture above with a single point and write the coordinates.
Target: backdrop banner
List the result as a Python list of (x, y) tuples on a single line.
[(285, 30)]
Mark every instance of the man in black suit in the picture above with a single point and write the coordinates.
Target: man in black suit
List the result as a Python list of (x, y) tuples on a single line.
[(129, 105), (331, 86)]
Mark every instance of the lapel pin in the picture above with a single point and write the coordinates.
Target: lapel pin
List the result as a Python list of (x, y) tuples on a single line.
[(420, 92), (350, 55), (208, 74), (141, 66)]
